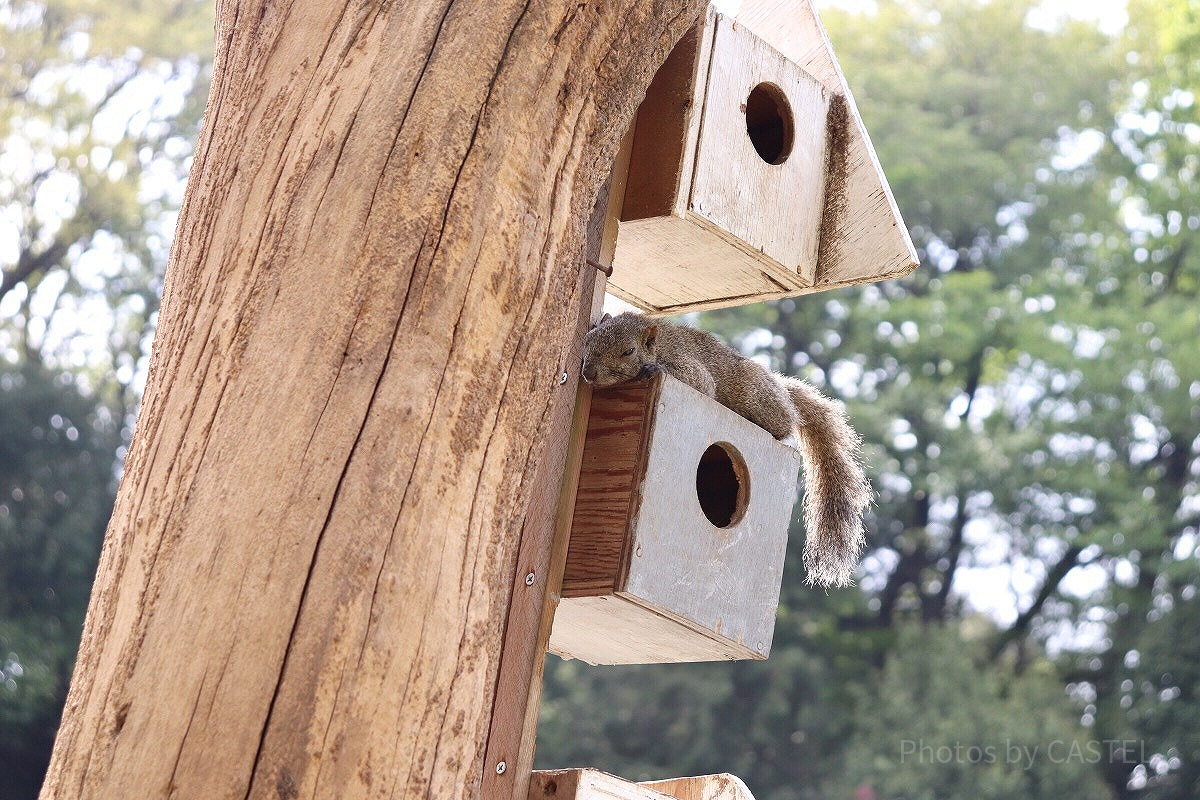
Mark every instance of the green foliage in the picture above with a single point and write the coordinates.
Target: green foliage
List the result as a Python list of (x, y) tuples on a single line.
[(1158, 698), (940, 722), (57, 478), (963, 100)]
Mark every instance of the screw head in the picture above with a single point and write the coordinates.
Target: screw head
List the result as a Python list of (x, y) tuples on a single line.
[(529, 579), (501, 767)]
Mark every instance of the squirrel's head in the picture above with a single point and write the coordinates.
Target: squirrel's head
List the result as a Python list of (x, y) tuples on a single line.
[(618, 349)]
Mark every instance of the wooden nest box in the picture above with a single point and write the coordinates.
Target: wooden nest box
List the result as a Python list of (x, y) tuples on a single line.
[(751, 176), (680, 527)]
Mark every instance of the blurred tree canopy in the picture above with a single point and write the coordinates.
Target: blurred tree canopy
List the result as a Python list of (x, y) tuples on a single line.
[(100, 104), (1030, 398), (958, 729), (57, 484)]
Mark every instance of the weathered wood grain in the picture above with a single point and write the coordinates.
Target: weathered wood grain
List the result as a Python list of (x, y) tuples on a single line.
[(370, 298), (611, 472), (512, 737)]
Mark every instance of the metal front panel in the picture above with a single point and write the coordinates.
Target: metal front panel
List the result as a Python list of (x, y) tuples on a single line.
[(724, 580)]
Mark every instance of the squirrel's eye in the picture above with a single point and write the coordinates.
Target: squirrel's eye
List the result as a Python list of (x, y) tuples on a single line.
[(627, 353)]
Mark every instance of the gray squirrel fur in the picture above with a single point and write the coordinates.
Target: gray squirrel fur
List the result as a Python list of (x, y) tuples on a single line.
[(836, 490)]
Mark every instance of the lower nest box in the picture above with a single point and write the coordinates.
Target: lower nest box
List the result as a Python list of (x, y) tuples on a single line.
[(680, 528)]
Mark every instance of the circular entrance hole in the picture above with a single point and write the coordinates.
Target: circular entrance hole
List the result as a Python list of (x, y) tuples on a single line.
[(769, 123), (723, 485)]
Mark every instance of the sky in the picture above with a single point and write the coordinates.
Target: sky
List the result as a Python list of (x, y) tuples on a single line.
[(1110, 14)]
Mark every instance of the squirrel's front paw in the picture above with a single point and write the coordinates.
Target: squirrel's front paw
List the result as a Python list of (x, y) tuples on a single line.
[(648, 371)]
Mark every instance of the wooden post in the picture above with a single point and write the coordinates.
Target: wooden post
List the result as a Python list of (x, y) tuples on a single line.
[(512, 736), (370, 301)]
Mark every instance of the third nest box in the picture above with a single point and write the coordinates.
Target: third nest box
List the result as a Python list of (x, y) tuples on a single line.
[(751, 176)]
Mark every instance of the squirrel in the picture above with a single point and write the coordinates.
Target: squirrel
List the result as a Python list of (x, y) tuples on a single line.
[(632, 346)]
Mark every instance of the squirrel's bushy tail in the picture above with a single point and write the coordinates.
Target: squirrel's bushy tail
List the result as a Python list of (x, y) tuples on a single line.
[(836, 490)]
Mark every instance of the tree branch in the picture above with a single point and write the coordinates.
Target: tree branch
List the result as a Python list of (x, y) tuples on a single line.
[(1173, 269), (974, 375), (935, 608), (28, 265), (1018, 630)]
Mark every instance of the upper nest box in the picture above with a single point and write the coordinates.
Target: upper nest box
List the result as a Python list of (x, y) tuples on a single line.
[(751, 176)]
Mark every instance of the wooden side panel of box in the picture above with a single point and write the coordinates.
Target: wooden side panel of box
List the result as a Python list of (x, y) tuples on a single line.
[(609, 487), (666, 128)]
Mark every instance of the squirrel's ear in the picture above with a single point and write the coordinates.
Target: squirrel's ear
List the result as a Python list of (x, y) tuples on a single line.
[(649, 335), (604, 319)]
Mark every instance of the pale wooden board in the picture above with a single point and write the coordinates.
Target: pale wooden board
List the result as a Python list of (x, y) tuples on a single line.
[(588, 784), (758, 298), (611, 629), (704, 787), (592, 784), (865, 238), (774, 208), (678, 263)]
